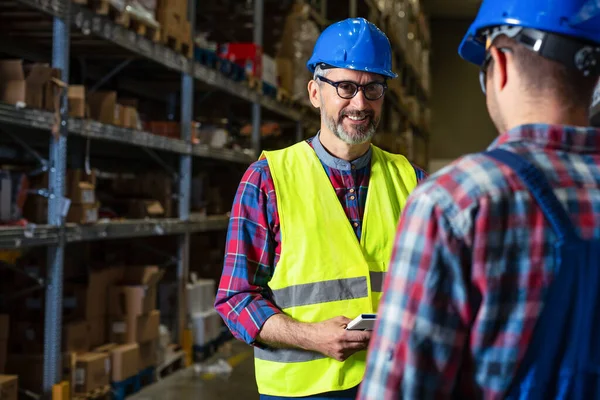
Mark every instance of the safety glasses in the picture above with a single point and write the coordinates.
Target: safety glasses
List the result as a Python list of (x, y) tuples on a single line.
[(484, 67), (347, 90)]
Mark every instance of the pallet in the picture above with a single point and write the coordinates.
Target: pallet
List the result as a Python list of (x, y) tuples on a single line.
[(103, 393), (176, 34), (133, 385)]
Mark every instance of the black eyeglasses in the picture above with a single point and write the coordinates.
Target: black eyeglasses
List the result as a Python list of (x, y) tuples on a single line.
[(347, 90), (485, 66)]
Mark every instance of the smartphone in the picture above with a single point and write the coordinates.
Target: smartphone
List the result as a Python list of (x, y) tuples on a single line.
[(364, 322)]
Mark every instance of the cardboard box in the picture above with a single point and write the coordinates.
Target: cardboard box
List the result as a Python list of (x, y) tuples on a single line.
[(135, 328), (269, 70), (103, 107), (138, 293), (97, 291), (285, 73), (53, 89), (77, 105), (83, 213), (98, 331), (9, 387), (148, 354), (23, 84), (83, 193), (130, 118), (124, 360), (92, 371)]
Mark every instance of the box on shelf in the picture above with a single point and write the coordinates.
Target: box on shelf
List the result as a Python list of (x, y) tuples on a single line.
[(247, 55), (4, 329), (9, 387), (148, 354), (53, 89), (103, 106), (21, 83), (98, 330), (77, 104), (83, 213), (285, 73), (134, 328), (206, 327), (92, 371), (137, 295), (124, 360), (269, 70)]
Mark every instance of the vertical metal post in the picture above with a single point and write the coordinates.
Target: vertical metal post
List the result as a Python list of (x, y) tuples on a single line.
[(58, 154), (353, 8), (256, 110), (185, 185), (299, 131)]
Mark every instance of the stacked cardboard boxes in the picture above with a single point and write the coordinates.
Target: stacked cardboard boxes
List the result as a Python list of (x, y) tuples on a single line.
[(174, 24), (30, 85), (124, 360), (133, 317), (9, 387)]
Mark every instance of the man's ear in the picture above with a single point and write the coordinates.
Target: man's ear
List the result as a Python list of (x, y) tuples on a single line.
[(314, 93), (500, 67)]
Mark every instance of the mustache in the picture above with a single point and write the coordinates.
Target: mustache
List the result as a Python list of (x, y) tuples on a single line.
[(357, 113)]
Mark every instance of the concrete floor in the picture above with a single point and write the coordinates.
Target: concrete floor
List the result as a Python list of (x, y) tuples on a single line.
[(189, 384)]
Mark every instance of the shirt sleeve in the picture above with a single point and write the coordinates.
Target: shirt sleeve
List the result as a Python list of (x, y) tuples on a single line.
[(419, 338), (243, 296), (420, 173)]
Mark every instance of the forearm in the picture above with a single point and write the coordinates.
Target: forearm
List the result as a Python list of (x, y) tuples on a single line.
[(282, 331)]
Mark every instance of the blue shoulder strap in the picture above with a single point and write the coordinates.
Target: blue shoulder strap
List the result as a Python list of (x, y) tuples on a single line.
[(541, 190)]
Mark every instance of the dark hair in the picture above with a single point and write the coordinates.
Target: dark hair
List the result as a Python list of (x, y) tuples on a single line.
[(546, 77)]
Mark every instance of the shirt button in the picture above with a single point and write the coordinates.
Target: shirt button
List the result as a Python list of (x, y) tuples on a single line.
[(352, 197), (355, 224), (351, 190), (353, 167)]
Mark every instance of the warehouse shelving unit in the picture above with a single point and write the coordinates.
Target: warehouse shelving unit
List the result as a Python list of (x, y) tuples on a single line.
[(75, 25), (72, 29)]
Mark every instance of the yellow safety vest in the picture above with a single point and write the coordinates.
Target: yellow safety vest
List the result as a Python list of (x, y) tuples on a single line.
[(324, 272)]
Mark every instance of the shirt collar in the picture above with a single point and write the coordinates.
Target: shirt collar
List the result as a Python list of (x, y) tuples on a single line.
[(337, 163), (560, 137)]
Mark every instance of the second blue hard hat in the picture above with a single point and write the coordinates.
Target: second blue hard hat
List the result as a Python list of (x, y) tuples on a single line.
[(356, 44), (578, 19)]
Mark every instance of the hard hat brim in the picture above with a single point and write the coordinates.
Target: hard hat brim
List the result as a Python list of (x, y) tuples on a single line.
[(355, 67)]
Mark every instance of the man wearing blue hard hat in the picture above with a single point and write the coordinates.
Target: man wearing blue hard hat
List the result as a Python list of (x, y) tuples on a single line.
[(312, 228), (494, 287)]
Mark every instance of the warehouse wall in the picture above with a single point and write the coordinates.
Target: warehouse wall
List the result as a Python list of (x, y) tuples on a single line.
[(460, 121)]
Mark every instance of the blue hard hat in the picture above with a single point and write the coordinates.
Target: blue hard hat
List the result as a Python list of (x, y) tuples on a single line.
[(578, 19), (354, 43)]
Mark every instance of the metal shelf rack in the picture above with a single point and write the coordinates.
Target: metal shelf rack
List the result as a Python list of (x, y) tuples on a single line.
[(70, 22)]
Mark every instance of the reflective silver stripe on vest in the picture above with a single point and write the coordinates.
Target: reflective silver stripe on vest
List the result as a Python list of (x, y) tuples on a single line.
[(287, 355), (321, 292), (377, 279)]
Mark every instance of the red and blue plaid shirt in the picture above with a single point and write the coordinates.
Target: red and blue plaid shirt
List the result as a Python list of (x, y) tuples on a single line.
[(473, 256), (254, 241)]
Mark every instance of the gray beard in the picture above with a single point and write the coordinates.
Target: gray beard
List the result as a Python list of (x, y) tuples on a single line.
[(362, 134)]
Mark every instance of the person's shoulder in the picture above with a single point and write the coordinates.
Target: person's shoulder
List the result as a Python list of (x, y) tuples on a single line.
[(462, 184)]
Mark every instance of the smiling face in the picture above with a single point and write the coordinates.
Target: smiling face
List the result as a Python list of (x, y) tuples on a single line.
[(355, 120)]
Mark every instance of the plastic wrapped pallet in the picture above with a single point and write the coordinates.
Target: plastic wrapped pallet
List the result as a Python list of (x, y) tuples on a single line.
[(206, 327), (201, 295), (299, 37)]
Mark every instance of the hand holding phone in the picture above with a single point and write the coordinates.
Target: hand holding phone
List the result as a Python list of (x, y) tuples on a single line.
[(364, 322)]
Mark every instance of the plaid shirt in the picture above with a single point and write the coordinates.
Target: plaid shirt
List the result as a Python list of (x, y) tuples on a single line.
[(254, 241), (472, 258)]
